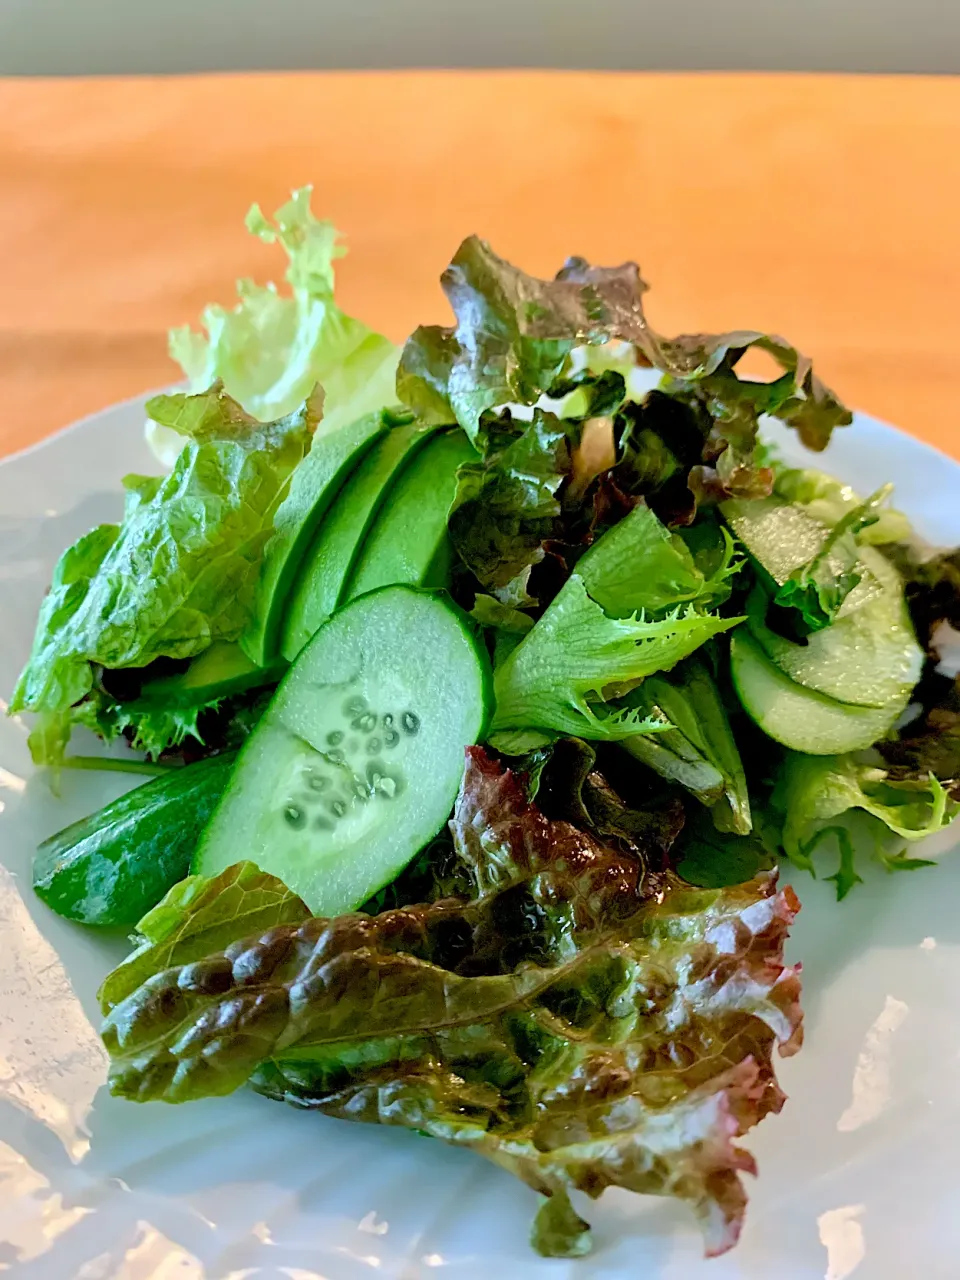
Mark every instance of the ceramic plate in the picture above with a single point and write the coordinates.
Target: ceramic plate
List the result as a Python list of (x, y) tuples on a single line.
[(858, 1176)]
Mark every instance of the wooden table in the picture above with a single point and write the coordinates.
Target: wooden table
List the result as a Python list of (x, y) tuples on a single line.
[(822, 207)]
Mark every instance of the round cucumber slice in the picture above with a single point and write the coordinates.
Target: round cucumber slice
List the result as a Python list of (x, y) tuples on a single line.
[(357, 760), (798, 717), (868, 656)]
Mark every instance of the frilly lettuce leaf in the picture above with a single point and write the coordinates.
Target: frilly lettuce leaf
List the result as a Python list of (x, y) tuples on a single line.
[(271, 349), (817, 792), (632, 608), (563, 674), (515, 333), (578, 1026), (506, 505), (181, 569)]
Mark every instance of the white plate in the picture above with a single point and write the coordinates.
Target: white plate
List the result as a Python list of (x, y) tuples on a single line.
[(859, 1175)]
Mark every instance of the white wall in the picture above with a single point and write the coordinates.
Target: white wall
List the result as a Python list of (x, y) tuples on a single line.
[(91, 36)]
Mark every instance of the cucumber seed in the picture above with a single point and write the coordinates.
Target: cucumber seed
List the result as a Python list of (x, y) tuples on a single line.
[(294, 816), (410, 722)]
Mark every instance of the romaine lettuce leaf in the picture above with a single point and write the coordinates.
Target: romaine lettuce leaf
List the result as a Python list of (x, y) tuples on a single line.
[(579, 1023), (271, 349), (181, 569)]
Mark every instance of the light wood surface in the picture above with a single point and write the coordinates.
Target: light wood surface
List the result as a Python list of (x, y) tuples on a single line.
[(824, 208)]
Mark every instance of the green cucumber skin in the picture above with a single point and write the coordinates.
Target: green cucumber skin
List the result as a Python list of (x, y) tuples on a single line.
[(409, 542), (111, 868), (305, 802), (221, 671), (314, 487), (796, 716), (326, 568)]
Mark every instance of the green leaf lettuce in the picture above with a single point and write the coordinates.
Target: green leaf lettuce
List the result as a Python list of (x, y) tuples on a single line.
[(181, 569), (271, 349)]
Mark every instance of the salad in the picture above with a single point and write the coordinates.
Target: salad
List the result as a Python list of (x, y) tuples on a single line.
[(483, 684)]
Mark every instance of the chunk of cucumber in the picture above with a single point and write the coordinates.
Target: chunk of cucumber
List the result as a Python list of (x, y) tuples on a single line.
[(409, 541), (357, 760), (326, 567), (114, 866), (798, 717), (868, 656)]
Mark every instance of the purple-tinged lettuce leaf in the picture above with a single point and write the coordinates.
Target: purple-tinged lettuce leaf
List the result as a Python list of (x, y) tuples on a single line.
[(578, 1022), (930, 744), (514, 334)]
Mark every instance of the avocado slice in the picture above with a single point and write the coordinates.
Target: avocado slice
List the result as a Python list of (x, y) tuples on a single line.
[(409, 542), (315, 485), (326, 567), (219, 672)]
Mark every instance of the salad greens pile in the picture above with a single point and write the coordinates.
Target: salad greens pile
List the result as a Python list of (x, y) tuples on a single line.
[(487, 687)]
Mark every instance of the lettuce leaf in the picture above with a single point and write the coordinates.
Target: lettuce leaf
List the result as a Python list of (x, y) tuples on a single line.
[(816, 793), (697, 749), (506, 505), (181, 569), (579, 1023), (514, 335), (271, 349), (632, 608), (930, 744), (563, 674)]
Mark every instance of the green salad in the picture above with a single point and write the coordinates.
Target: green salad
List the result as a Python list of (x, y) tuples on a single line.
[(485, 682)]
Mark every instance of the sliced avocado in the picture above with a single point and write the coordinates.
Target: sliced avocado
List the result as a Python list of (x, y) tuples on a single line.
[(315, 485), (326, 566), (219, 672), (409, 542), (868, 656)]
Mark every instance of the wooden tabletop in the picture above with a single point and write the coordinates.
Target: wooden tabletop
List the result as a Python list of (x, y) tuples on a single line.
[(820, 207)]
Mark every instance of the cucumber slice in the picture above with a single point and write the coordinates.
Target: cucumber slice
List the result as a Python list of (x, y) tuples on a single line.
[(315, 485), (868, 656), (779, 535), (357, 760), (409, 541), (112, 867), (219, 672), (799, 717), (327, 565)]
